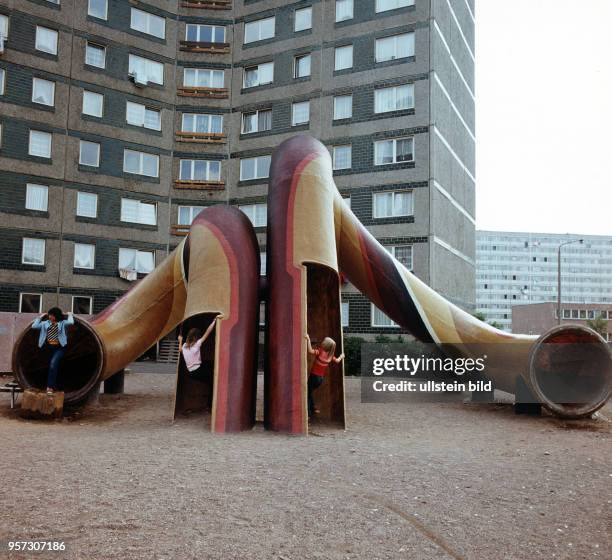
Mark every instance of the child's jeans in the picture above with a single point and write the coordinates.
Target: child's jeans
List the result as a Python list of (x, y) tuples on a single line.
[(57, 353), (314, 381)]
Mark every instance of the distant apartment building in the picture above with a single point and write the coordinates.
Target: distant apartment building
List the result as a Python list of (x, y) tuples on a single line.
[(537, 318), (520, 268), (120, 121)]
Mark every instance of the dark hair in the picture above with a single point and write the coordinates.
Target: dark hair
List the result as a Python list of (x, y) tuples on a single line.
[(192, 337), (57, 313)]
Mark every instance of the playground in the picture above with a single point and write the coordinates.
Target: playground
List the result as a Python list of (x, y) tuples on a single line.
[(427, 481)]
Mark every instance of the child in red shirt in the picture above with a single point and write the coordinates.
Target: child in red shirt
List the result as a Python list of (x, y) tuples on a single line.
[(324, 355)]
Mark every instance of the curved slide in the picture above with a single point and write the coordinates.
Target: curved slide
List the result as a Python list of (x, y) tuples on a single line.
[(214, 270)]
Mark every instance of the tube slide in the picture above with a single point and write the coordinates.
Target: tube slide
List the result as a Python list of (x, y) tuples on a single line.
[(311, 229), (214, 270)]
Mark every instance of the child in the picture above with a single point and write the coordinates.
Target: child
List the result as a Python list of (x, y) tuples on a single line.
[(191, 349), (52, 327), (323, 357)]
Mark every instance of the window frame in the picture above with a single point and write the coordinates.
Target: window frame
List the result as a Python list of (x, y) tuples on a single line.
[(211, 25), (293, 112), (257, 164), (395, 39), (255, 206), (347, 18), (295, 19), (407, 5), (136, 251), (101, 95), (46, 189), (377, 143), (92, 248), (296, 65), (373, 310), (395, 96), (141, 156), (35, 80), (191, 213), (257, 66), (339, 49), (40, 297), (48, 135), (259, 29), (99, 148), (147, 61), (145, 108), (44, 251), (95, 46), (393, 250), (2, 80), (90, 298), (139, 220), (256, 113), (148, 17), (76, 211), (192, 166), (54, 32), (334, 148), (105, 17), (210, 121), (198, 71), (342, 96), (410, 210)]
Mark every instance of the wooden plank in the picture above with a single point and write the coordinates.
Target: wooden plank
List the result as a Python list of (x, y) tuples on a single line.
[(41, 405)]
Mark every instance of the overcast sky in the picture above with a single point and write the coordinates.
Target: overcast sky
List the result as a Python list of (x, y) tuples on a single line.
[(544, 116)]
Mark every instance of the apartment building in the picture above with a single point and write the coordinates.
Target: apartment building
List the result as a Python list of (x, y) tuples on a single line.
[(515, 268), (120, 121)]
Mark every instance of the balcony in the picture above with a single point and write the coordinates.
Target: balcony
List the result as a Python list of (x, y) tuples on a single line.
[(180, 230), (206, 92), (199, 185), (210, 48), (201, 137), (208, 4)]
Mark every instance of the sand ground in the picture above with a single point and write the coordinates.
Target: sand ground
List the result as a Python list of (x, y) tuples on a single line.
[(420, 481)]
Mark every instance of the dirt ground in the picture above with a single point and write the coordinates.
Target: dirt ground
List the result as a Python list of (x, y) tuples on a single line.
[(420, 481)]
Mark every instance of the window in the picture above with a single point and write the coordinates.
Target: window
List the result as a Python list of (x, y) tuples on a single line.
[(379, 319), (30, 303), (210, 124), (139, 115), (254, 168), (202, 77), (303, 19), (146, 69), (259, 30), (2, 80), (89, 153), (93, 103), (341, 157), (257, 121), (566, 314), (343, 107), (204, 33), (301, 66), (257, 213), (392, 204), (43, 92), (140, 261), (148, 23), (263, 259), (347, 200), (344, 10), (46, 40), (87, 205), (37, 197), (140, 163), (4, 25), (259, 75), (95, 55), (98, 9), (397, 46), (397, 150), (395, 98), (186, 214), (344, 314), (82, 305), (300, 113), (33, 251), (138, 212), (343, 57), (403, 253), (84, 256), (384, 5), (40, 144), (200, 170)]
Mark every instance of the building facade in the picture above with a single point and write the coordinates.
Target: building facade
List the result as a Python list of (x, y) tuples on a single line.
[(520, 268), (537, 318), (121, 120)]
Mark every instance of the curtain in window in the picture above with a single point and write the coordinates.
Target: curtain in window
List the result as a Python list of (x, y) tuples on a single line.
[(83, 256), (344, 9), (40, 143), (265, 120), (383, 205), (37, 197), (401, 204), (127, 258), (145, 261), (404, 150), (384, 152), (34, 251), (95, 56), (86, 204)]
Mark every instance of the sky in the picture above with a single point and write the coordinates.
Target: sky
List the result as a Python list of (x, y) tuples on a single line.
[(544, 116)]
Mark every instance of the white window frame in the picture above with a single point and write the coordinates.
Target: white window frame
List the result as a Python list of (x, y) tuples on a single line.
[(395, 90), (396, 39), (350, 12), (256, 114), (296, 66), (378, 143), (211, 117), (141, 158), (193, 213), (197, 72), (257, 213), (192, 165), (409, 211), (29, 188), (38, 81), (140, 218), (92, 250), (4, 26), (392, 324), (393, 250), (257, 160), (136, 251), (48, 135), (259, 82), (96, 47), (97, 96), (90, 298), (343, 97), (135, 60), (308, 23), (141, 109), (89, 10), (345, 311), (334, 159), (263, 260), (397, 4), (40, 297), (2, 80), (81, 162), (52, 32), (258, 27), (44, 251), (341, 49), (199, 27), (149, 18), (88, 194), (295, 108)]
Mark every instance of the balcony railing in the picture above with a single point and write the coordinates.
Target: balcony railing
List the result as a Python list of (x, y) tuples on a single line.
[(199, 185), (209, 93), (208, 4), (178, 229), (211, 48), (201, 137)]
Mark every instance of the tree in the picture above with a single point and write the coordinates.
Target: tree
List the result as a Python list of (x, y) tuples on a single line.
[(599, 325)]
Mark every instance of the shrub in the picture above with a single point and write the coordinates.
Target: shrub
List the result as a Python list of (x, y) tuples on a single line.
[(352, 352)]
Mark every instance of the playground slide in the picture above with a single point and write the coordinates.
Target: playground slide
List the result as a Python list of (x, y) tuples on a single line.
[(313, 235), (215, 270)]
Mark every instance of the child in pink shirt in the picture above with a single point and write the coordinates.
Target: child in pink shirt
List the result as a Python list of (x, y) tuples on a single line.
[(191, 349)]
